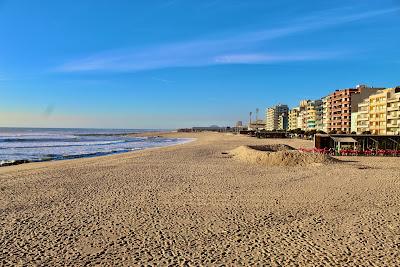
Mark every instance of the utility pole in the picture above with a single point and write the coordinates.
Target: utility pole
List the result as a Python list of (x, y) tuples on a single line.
[(251, 113), (257, 110)]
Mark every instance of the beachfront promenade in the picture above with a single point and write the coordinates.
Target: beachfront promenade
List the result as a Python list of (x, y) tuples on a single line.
[(195, 204)]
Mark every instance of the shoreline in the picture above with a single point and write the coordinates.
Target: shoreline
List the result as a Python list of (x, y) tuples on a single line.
[(181, 141), (196, 204)]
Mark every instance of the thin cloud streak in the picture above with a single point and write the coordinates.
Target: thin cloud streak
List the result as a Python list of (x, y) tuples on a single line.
[(265, 58), (233, 50), (162, 80)]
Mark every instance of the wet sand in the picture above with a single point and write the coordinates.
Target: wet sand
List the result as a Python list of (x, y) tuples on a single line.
[(193, 204)]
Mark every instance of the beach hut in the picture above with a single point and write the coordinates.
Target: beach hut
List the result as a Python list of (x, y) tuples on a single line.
[(347, 141)]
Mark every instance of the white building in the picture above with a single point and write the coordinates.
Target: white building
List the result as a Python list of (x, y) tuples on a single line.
[(277, 118)]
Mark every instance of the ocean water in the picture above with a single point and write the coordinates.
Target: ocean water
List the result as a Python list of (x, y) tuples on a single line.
[(21, 145)]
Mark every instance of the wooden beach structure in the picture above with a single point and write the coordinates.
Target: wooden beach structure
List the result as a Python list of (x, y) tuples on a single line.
[(361, 142), (264, 134), (205, 129), (268, 134)]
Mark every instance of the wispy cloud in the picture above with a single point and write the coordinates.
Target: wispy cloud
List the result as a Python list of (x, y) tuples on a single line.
[(265, 58), (242, 49), (162, 80)]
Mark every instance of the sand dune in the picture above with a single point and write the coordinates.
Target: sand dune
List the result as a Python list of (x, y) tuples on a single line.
[(195, 204), (279, 155)]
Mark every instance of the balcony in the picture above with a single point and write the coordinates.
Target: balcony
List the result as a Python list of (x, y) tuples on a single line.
[(363, 119), (393, 116), (393, 132), (376, 119), (393, 108), (393, 100), (393, 125), (378, 111)]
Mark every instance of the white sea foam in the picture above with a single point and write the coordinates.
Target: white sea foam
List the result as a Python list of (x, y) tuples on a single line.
[(38, 145)]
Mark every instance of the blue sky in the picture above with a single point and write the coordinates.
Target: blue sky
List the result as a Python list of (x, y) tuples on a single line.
[(180, 63)]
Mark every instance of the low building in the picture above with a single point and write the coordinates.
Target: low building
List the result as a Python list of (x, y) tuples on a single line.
[(257, 125), (212, 128), (360, 142)]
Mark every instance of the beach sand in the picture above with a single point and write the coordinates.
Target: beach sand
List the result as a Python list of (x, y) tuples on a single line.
[(193, 204)]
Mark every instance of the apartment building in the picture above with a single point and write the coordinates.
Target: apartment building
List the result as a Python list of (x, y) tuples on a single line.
[(298, 116), (283, 122), (362, 117), (354, 122), (339, 105), (308, 116), (277, 117), (302, 120), (314, 115), (293, 118), (393, 112), (380, 113), (325, 120)]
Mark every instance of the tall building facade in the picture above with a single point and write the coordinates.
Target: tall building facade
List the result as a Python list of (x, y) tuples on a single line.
[(302, 119), (277, 118), (307, 116), (293, 118), (325, 121), (380, 113), (362, 124), (314, 115), (354, 116), (393, 112), (339, 105)]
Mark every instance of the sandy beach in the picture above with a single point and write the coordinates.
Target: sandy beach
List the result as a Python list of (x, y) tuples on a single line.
[(195, 204)]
